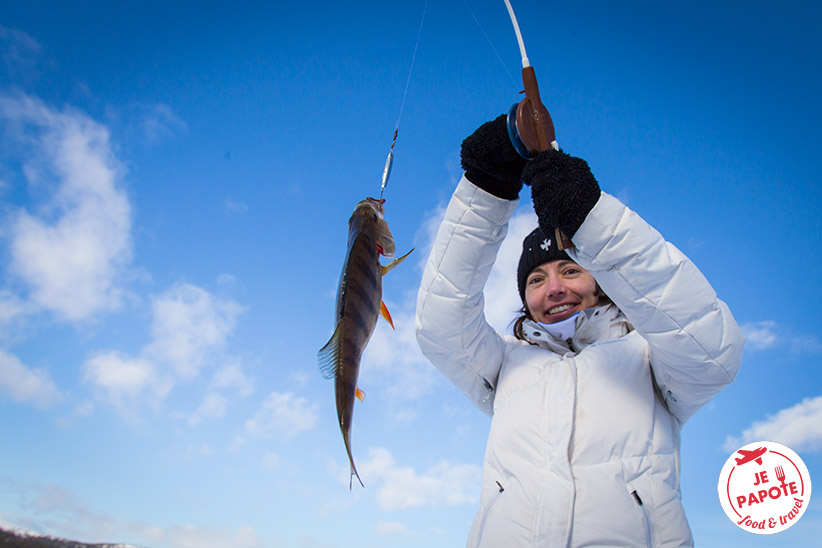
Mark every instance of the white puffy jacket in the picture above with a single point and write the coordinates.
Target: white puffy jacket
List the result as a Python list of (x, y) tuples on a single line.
[(583, 448)]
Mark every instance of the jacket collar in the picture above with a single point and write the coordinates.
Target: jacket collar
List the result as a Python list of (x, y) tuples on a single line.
[(592, 325)]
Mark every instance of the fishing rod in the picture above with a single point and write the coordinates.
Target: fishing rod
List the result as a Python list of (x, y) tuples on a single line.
[(389, 161), (530, 126)]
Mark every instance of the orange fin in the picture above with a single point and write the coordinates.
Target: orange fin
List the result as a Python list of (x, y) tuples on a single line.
[(360, 396), (385, 314)]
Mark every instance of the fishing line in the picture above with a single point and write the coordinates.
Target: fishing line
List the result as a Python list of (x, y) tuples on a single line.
[(490, 43), (389, 161)]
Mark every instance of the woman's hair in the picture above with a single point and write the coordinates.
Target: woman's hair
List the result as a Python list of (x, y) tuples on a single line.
[(525, 314)]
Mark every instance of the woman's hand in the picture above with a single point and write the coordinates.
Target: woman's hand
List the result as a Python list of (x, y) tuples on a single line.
[(563, 189), (491, 162)]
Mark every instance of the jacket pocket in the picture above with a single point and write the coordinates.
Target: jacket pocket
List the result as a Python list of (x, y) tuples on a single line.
[(646, 519), (487, 512)]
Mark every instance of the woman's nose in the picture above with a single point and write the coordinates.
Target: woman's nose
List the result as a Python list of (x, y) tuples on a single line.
[(555, 287)]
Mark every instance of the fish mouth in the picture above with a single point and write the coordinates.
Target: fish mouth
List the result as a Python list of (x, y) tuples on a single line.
[(377, 205)]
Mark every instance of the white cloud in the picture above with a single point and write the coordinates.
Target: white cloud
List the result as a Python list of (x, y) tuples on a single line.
[(501, 296), (83, 409), (232, 376), (282, 414), (119, 372), (426, 235), (309, 541), (59, 510), (271, 461), (189, 325), (160, 122), (80, 411), (20, 52), (760, 335), (392, 528), (190, 536), (189, 330), (213, 406), (806, 344), (393, 360), (300, 378), (444, 484), (126, 382), (25, 385), (69, 517), (12, 307), (196, 452), (798, 427), (72, 252), (234, 208), (765, 335)]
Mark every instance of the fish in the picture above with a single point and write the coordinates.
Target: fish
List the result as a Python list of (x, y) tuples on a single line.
[(359, 305)]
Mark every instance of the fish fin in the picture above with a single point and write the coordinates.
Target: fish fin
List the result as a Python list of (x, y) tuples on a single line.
[(360, 394), (328, 356), (385, 241), (386, 314), (387, 268)]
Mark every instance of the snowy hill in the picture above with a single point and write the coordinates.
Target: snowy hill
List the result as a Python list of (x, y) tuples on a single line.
[(19, 538)]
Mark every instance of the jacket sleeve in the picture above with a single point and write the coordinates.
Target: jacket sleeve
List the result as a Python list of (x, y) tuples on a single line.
[(450, 325), (695, 344)]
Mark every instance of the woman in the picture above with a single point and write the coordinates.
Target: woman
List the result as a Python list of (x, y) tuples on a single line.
[(621, 340)]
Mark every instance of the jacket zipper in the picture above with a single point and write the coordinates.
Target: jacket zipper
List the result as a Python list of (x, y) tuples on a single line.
[(488, 511), (646, 520)]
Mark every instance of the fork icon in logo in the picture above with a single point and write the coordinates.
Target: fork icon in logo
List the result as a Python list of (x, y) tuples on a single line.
[(780, 474)]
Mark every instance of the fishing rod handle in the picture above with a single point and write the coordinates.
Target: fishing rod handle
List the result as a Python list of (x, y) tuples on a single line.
[(536, 128), (540, 119)]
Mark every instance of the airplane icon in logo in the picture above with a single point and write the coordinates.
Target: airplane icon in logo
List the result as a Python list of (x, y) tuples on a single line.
[(748, 456)]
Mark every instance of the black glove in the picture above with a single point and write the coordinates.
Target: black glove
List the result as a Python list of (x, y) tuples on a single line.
[(491, 162), (563, 188)]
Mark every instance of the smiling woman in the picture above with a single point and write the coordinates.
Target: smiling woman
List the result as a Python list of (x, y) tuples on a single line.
[(177, 363), (555, 291), (622, 321)]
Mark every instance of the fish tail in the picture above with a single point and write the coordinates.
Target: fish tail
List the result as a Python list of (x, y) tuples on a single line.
[(351, 479), (353, 468)]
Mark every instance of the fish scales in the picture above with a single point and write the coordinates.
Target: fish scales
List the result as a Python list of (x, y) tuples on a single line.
[(359, 303)]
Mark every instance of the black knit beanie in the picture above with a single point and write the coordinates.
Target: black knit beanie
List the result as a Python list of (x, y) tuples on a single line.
[(537, 248)]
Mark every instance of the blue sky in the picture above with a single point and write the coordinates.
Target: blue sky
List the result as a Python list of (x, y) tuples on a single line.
[(175, 182)]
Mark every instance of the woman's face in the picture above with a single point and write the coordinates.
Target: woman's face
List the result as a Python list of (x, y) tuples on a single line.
[(557, 290)]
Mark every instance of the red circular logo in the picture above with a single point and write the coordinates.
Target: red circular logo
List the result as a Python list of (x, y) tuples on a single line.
[(764, 487)]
